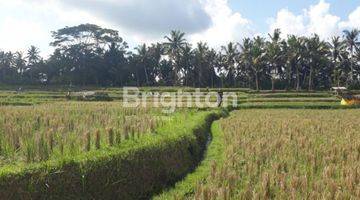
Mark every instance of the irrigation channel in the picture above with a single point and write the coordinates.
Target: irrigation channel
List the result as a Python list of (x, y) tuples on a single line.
[(186, 185)]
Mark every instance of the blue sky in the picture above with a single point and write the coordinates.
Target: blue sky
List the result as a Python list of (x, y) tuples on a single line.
[(217, 22), (260, 10)]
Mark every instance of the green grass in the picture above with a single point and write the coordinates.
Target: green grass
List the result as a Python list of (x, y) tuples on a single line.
[(295, 105), (213, 156), (292, 95)]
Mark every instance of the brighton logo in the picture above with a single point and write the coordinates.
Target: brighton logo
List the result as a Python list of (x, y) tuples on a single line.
[(169, 101)]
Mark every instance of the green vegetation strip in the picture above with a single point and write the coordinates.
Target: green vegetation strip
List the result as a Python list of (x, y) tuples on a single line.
[(215, 153), (135, 170), (295, 105)]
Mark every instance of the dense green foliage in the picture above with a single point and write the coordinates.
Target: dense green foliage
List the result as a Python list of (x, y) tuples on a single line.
[(90, 55)]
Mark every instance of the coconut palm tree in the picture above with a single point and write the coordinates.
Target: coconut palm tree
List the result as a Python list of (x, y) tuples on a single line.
[(253, 58), (174, 45), (213, 65), (156, 52), (258, 59), (201, 63), (317, 51), (274, 56), (245, 58), (337, 48), (287, 69), (33, 55), (4, 65), (231, 53), (20, 64), (352, 42), (187, 66), (295, 55), (142, 55), (33, 59)]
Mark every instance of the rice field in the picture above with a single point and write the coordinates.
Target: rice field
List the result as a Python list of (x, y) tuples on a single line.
[(284, 145), (39, 133), (287, 154)]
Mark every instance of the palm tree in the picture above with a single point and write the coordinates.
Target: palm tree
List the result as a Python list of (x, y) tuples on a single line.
[(337, 48), (287, 69), (213, 64), (20, 64), (274, 56), (258, 55), (142, 55), (3, 65), (352, 41), (231, 54), (220, 62), (155, 55), (295, 55), (33, 55), (245, 58), (317, 51), (201, 63), (33, 59), (174, 45), (187, 65), (252, 57)]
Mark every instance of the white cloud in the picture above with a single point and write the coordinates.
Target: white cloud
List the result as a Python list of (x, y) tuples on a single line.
[(353, 21), (24, 23), (316, 19), (212, 21), (146, 16), (23, 34), (288, 22), (321, 21), (227, 24), (30, 22)]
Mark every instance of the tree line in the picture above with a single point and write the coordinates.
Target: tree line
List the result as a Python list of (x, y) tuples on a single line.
[(91, 55)]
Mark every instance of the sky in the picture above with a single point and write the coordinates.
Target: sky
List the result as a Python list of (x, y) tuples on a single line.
[(30, 22)]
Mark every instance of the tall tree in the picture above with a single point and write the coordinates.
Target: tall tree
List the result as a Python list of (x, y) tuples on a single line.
[(316, 59), (33, 60), (201, 64), (143, 62), (116, 62), (274, 56), (187, 66), (295, 54), (231, 53), (84, 46), (352, 41), (338, 51), (258, 55), (175, 44)]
